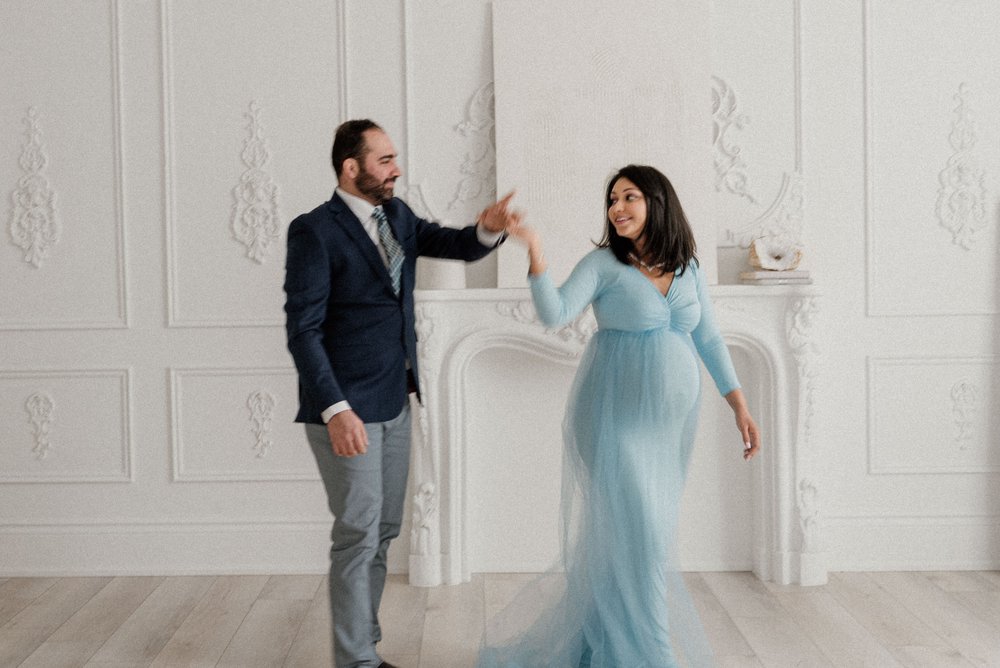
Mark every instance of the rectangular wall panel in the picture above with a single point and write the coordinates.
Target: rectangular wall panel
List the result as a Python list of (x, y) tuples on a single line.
[(933, 157), (238, 424), (251, 104), (62, 254), (65, 426), (933, 415)]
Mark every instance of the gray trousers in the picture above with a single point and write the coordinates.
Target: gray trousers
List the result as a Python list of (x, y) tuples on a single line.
[(366, 495)]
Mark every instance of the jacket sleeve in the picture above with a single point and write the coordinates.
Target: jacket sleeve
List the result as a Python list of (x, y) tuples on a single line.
[(436, 240), (307, 289)]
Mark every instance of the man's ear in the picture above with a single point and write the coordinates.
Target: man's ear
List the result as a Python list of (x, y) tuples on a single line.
[(351, 168)]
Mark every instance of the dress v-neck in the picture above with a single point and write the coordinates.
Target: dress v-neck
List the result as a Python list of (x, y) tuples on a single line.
[(663, 295)]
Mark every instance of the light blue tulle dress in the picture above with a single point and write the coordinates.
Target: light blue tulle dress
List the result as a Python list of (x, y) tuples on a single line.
[(617, 599)]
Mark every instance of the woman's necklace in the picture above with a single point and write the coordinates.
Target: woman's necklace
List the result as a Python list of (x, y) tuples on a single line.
[(648, 267)]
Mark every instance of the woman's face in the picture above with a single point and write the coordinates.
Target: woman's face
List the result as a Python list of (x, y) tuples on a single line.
[(627, 209)]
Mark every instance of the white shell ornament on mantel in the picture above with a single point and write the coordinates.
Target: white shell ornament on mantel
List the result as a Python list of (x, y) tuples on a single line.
[(774, 255)]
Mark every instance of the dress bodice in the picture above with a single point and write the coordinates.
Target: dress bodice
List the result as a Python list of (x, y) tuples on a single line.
[(629, 301), (624, 299)]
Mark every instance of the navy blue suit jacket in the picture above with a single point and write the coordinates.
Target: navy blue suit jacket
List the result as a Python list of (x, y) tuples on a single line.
[(349, 334)]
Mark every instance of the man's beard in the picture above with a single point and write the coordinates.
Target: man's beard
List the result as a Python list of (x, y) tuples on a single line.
[(380, 191)]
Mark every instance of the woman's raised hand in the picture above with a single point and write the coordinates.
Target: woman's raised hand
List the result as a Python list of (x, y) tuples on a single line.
[(523, 233), (526, 235)]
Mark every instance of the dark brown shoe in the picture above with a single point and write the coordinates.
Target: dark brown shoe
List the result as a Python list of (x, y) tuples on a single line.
[(386, 664)]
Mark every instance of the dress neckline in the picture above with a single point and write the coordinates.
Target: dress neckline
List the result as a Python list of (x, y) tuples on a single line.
[(646, 279)]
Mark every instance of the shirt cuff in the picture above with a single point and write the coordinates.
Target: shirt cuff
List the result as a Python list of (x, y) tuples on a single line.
[(338, 407), (488, 238)]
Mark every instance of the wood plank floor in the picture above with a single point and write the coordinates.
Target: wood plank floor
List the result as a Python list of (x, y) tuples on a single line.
[(882, 620)]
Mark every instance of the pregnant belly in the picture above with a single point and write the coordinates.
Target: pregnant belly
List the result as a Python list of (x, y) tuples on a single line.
[(639, 377)]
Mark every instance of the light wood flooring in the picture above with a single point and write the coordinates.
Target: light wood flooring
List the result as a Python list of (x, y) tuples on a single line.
[(881, 620)]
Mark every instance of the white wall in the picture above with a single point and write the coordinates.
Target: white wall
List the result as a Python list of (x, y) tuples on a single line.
[(910, 390), (145, 331)]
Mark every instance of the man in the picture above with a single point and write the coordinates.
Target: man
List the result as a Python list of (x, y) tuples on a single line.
[(349, 280)]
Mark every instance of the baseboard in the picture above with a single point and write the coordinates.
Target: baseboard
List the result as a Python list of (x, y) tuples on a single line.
[(137, 549), (215, 548)]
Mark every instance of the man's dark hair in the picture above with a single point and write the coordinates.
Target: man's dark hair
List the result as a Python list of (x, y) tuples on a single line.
[(349, 142)]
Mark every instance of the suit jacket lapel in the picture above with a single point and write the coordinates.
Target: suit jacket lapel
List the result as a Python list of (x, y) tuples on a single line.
[(344, 217)]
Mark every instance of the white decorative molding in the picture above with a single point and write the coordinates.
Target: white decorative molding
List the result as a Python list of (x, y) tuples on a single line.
[(886, 281), (192, 426), (425, 514), (783, 217), (58, 319), (782, 220), (809, 516), (94, 405), (522, 311), (800, 320), (424, 329), (343, 51), (255, 222), (733, 308), (39, 407), (469, 322), (942, 409), (261, 404), (965, 400), (577, 332), (730, 168), (961, 203), (34, 227), (119, 164), (425, 557), (181, 310), (480, 163), (169, 189)]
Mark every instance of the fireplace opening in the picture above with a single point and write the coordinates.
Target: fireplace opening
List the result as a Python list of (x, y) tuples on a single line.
[(514, 404)]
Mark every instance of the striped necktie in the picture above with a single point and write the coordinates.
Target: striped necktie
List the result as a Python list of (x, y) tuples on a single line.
[(393, 251)]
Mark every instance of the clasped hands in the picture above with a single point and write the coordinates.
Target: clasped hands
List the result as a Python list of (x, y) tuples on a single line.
[(499, 217)]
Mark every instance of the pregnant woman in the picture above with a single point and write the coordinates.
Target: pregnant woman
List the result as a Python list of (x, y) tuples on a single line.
[(628, 430)]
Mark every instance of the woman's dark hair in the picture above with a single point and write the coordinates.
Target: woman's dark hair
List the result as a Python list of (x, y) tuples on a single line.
[(349, 142), (667, 234)]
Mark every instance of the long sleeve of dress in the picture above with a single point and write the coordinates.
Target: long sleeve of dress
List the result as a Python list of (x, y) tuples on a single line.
[(708, 341), (558, 306)]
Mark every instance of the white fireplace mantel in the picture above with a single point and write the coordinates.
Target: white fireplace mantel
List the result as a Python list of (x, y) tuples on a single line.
[(773, 325)]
